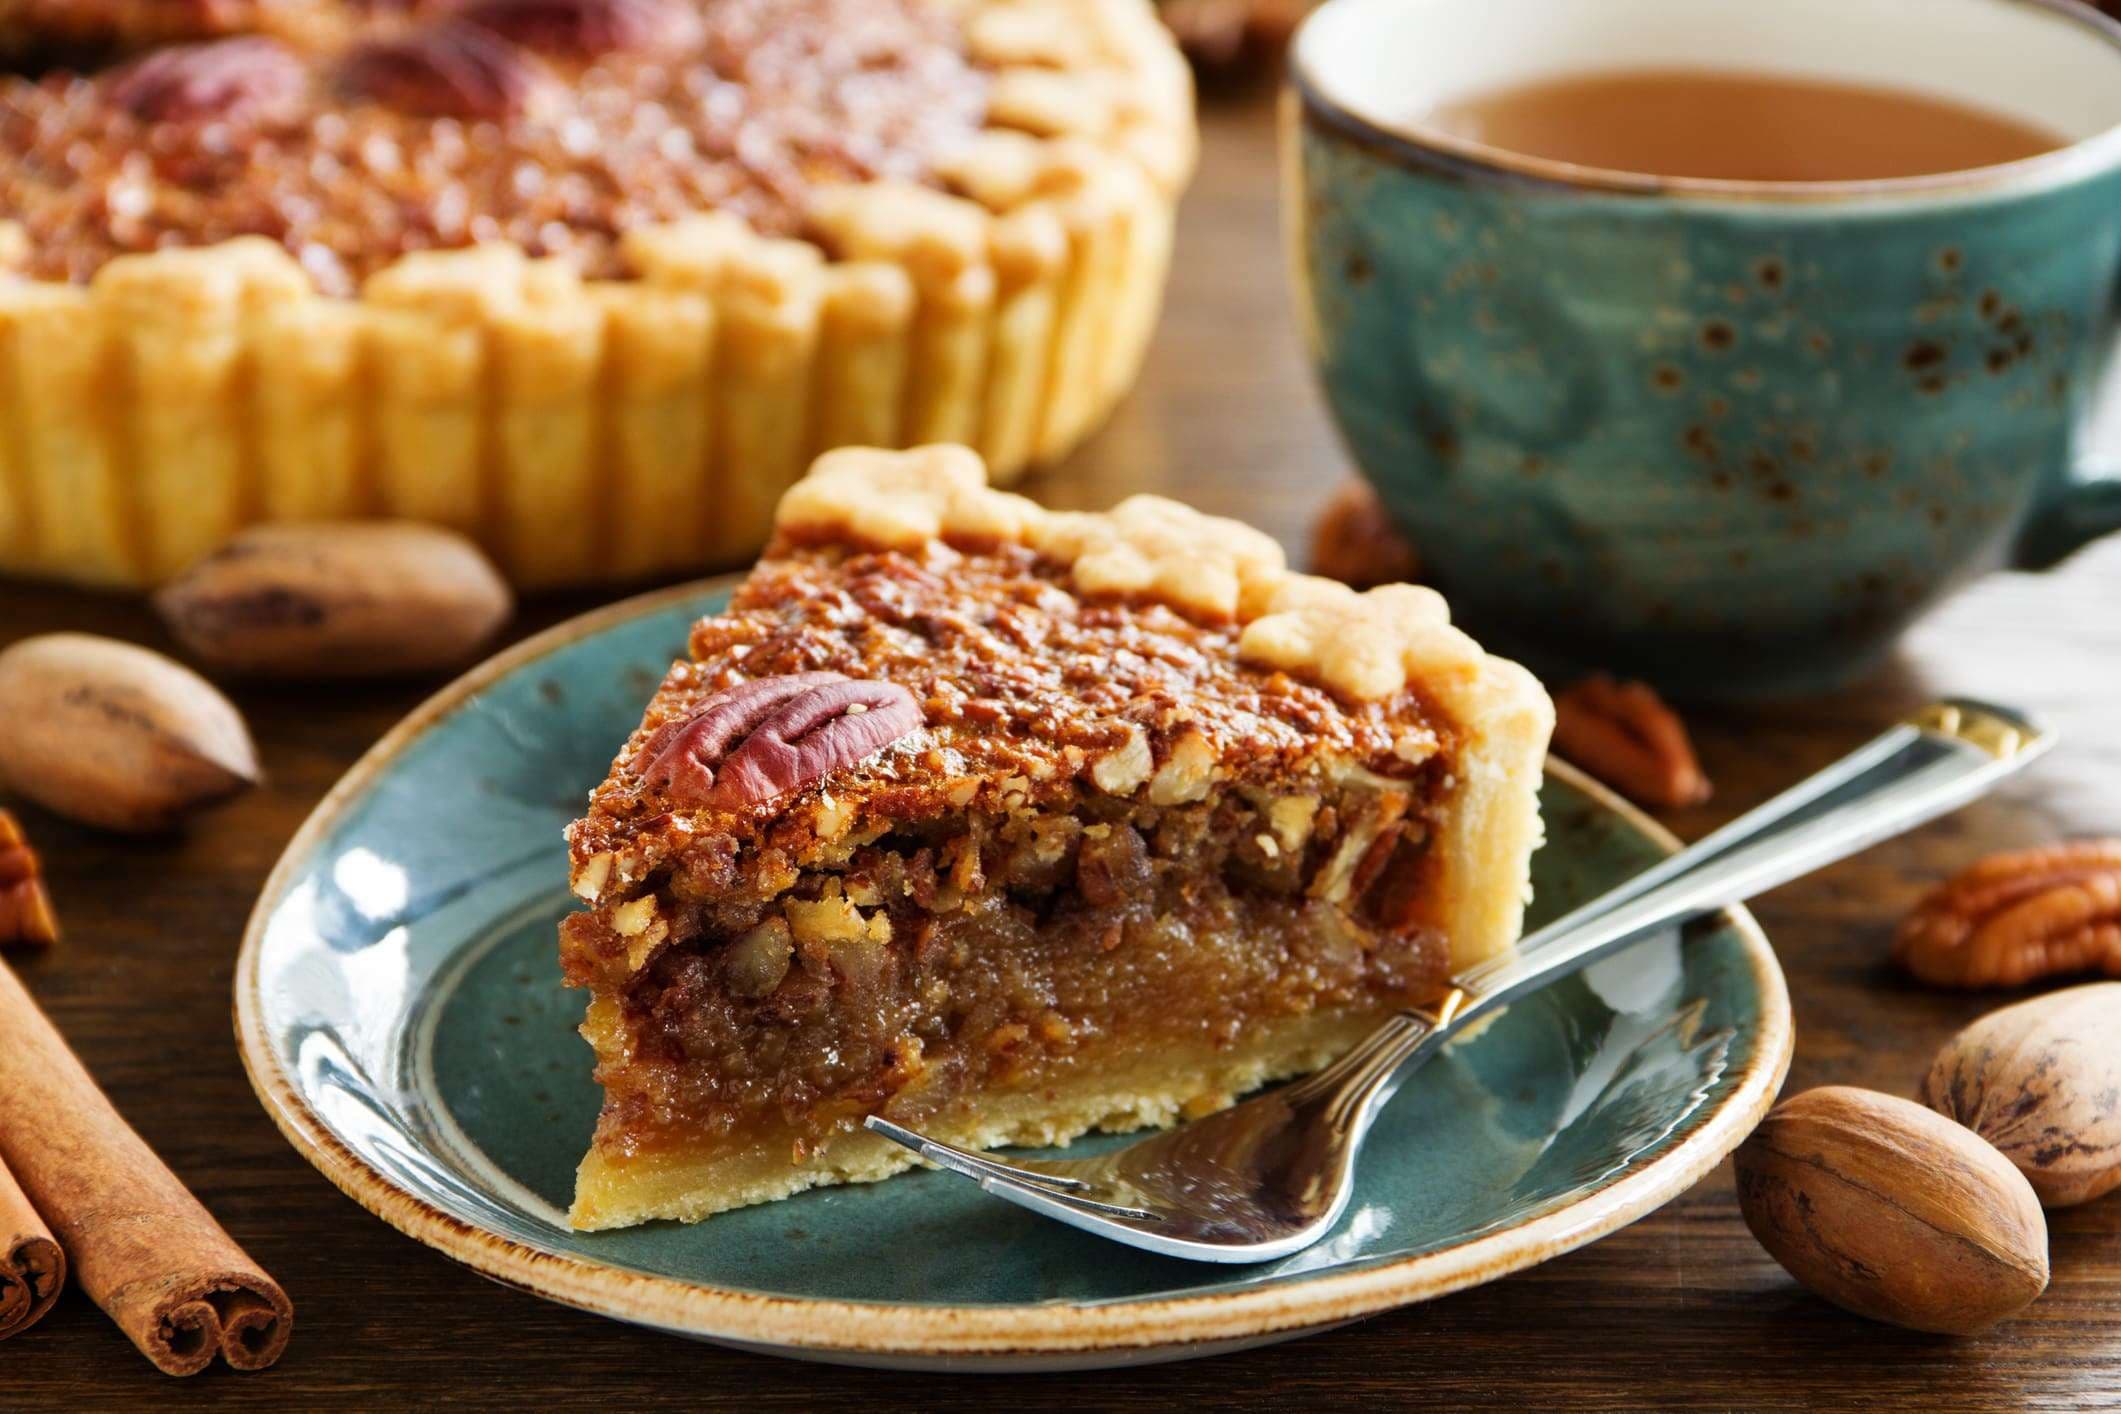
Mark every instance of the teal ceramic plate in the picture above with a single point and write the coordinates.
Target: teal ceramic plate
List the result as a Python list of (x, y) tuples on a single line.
[(399, 1006)]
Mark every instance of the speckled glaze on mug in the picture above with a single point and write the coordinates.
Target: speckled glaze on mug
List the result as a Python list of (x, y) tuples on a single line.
[(1728, 436)]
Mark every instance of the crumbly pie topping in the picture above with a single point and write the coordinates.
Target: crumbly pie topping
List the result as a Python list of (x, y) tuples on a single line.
[(1364, 647), (1159, 549), (902, 500), (556, 125)]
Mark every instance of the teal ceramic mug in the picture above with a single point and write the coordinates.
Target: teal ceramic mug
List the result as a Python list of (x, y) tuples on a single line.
[(1729, 436)]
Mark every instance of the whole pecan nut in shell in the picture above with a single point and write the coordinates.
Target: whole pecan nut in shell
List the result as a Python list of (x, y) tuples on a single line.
[(1622, 733), (2041, 1080), (1892, 1211), (2019, 917), (117, 736), (450, 69), (228, 80), (764, 739), (584, 27), (26, 916)]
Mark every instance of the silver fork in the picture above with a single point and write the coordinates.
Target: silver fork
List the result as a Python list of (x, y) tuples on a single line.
[(1272, 1175)]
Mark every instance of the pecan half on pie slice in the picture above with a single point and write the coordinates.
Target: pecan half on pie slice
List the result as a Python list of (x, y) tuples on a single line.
[(1013, 824)]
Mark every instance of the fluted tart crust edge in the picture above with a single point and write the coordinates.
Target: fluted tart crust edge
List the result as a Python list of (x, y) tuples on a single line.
[(591, 430)]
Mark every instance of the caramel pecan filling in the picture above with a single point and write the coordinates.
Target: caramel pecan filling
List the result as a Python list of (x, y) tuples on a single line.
[(991, 949)]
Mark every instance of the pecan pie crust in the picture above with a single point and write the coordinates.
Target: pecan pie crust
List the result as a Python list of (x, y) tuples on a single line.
[(591, 280), (1013, 824)]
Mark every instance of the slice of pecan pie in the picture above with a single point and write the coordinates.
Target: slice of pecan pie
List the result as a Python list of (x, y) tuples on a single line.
[(1012, 824)]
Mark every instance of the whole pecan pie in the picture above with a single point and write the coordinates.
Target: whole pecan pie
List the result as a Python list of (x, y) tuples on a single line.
[(1011, 824), (592, 280)]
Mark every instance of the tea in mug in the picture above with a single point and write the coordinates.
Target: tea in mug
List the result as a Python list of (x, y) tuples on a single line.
[(1739, 126)]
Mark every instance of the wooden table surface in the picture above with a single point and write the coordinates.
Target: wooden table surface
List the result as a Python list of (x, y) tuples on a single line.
[(1681, 1309)]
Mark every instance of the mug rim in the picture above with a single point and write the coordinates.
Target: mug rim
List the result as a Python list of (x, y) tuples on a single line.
[(1428, 148)]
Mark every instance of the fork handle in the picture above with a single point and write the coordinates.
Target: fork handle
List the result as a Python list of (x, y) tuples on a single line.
[(1934, 762)]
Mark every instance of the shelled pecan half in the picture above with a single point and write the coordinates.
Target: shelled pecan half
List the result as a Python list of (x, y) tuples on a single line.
[(449, 69), (1355, 541), (26, 917), (1624, 734), (2019, 917), (225, 80), (763, 739)]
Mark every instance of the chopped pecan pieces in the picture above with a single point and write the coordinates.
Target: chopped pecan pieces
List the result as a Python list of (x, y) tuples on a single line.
[(584, 27), (26, 917), (764, 739), (447, 70), (1355, 541), (228, 80), (2019, 917), (1622, 733)]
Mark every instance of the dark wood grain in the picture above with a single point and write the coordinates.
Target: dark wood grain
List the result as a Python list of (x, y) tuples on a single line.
[(1682, 1309)]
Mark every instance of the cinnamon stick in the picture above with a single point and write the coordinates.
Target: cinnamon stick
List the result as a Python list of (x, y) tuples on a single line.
[(32, 1268), (143, 1247)]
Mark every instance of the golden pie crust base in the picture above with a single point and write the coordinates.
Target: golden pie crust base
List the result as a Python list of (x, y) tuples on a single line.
[(590, 431), (1142, 1092)]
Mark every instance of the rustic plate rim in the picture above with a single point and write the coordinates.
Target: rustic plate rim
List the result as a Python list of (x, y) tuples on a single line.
[(843, 1329)]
